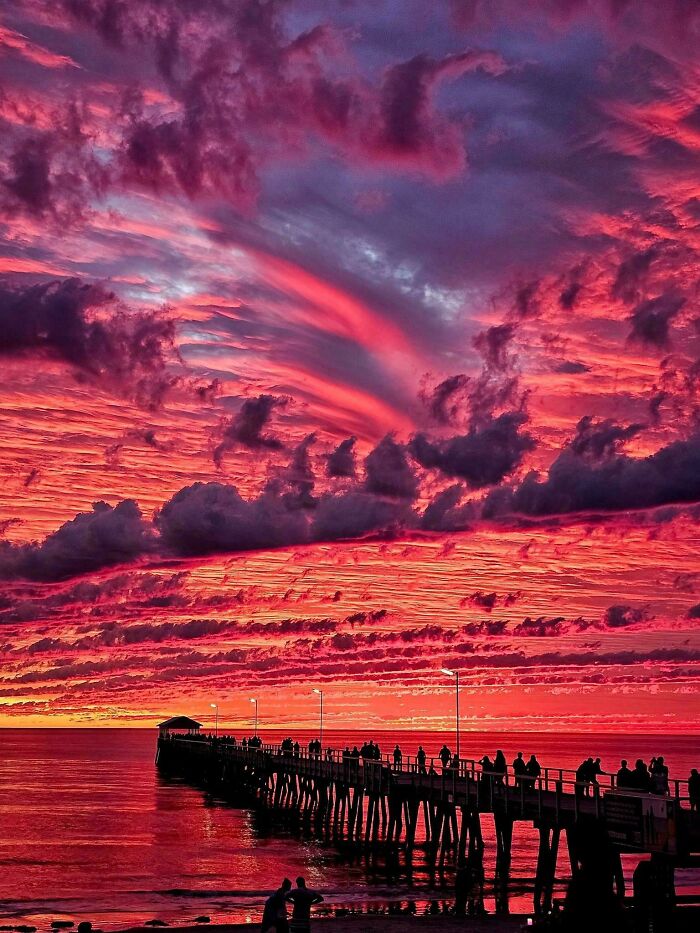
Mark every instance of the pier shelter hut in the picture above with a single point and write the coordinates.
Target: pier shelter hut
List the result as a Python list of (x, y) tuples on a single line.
[(179, 725)]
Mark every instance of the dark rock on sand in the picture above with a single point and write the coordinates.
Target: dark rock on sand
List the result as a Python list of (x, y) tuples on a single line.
[(202, 919), (61, 924)]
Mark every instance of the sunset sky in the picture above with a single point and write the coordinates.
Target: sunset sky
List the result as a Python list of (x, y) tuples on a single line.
[(341, 341)]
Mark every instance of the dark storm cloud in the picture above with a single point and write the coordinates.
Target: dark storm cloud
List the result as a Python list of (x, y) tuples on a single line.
[(445, 513), (493, 344), (569, 296), (596, 440), (620, 616), (616, 483), (489, 601), (126, 351), (245, 429), (571, 368), (631, 276), (250, 89), (526, 303), (209, 517), (357, 513), (490, 451), (341, 463), (651, 320), (92, 540), (448, 399), (388, 471), (52, 175)]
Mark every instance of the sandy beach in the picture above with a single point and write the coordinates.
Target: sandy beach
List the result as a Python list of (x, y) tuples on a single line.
[(374, 923)]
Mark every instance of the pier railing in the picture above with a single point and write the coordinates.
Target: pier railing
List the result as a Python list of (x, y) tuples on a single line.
[(557, 787)]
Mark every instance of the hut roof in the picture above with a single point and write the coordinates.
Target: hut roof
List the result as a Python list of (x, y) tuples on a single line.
[(180, 722)]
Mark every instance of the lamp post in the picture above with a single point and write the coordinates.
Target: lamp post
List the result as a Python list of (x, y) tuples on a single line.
[(455, 674), (216, 718), (320, 693), (253, 700)]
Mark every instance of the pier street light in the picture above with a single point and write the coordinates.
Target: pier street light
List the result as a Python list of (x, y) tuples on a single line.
[(320, 736), (216, 718), (253, 700), (455, 674)]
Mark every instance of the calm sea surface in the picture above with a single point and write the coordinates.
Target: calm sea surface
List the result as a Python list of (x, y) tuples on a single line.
[(90, 830)]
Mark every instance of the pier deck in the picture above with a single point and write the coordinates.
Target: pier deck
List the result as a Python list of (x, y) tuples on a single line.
[(372, 804)]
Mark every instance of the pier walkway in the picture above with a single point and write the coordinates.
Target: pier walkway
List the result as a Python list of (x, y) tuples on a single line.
[(372, 804)]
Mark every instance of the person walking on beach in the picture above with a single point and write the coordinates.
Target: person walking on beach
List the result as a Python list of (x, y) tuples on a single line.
[(303, 899), (694, 790), (274, 918)]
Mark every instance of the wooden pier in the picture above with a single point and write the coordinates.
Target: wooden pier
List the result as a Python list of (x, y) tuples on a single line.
[(375, 805)]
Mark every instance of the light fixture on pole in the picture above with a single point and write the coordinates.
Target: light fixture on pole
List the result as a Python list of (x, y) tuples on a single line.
[(253, 700), (455, 674), (320, 693), (216, 720)]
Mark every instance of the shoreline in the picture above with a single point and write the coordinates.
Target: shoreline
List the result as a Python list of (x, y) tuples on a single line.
[(371, 923)]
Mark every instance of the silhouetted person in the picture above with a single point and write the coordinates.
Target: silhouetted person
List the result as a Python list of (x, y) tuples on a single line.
[(244, 743), (420, 759), (274, 919), (519, 769), (445, 756), (487, 764), (596, 769), (625, 778), (642, 780), (355, 753), (500, 766), (533, 771), (398, 756), (694, 790), (659, 777), (583, 778), (303, 899)]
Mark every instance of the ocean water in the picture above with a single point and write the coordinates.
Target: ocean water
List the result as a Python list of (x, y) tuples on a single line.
[(89, 829)]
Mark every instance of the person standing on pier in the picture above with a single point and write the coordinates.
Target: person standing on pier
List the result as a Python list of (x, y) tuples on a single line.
[(398, 757), (519, 769), (445, 756), (642, 780), (499, 767), (694, 790), (303, 899), (533, 771), (625, 778), (420, 759), (659, 777)]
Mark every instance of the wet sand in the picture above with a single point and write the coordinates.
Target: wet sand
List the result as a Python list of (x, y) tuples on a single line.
[(371, 923)]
